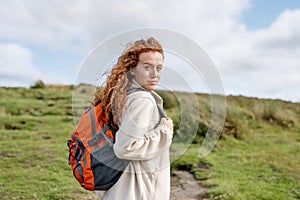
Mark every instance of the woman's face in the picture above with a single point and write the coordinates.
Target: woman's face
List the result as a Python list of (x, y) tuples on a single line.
[(148, 70)]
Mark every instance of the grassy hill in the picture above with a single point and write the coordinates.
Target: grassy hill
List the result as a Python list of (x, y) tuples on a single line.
[(257, 156)]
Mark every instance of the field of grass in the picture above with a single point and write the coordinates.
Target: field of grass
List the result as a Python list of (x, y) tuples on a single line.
[(34, 127), (257, 157), (263, 166)]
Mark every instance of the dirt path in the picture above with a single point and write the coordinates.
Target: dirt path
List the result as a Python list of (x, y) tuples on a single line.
[(183, 187)]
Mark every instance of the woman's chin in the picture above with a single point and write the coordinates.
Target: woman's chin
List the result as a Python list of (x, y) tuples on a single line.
[(149, 87)]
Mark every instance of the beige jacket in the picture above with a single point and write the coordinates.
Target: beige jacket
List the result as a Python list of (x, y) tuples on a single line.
[(141, 139)]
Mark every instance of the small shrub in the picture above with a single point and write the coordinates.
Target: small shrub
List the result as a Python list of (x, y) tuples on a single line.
[(231, 127), (275, 113), (201, 132), (39, 84)]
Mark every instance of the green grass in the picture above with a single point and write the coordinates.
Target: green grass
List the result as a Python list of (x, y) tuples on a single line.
[(257, 157), (34, 128), (34, 164), (265, 165)]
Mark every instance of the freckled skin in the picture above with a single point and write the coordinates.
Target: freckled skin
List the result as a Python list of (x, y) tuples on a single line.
[(148, 70)]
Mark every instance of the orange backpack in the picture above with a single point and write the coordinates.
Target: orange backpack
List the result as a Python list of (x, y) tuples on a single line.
[(91, 154)]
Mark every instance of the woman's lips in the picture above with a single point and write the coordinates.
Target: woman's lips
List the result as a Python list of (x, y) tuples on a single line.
[(153, 82)]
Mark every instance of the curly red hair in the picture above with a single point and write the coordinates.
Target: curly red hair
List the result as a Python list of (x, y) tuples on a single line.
[(113, 94)]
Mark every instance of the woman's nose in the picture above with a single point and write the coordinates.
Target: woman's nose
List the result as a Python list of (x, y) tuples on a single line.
[(154, 72)]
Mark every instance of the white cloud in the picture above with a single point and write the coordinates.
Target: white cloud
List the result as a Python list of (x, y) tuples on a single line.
[(64, 24), (16, 66), (53, 24), (256, 63), (264, 62)]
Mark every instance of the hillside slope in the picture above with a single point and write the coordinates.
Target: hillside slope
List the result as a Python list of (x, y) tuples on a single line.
[(256, 157)]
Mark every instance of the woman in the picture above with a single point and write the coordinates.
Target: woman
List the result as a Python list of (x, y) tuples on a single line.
[(143, 136)]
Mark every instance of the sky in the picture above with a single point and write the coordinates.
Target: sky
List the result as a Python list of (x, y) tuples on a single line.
[(254, 44)]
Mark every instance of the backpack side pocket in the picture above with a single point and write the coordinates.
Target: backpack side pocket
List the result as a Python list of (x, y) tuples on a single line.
[(76, 158)]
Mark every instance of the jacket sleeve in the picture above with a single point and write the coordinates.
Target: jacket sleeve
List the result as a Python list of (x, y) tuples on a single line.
[(134, 139)]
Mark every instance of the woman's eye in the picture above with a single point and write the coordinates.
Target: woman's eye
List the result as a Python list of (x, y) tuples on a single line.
[(158, 68), (147, 67)]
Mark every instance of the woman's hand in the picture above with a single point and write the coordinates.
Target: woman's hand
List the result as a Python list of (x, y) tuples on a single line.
[(168, 123)]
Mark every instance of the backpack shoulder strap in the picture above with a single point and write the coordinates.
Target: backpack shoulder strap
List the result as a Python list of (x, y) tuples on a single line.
[(161, 111), (97, 136), (132, 90)]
